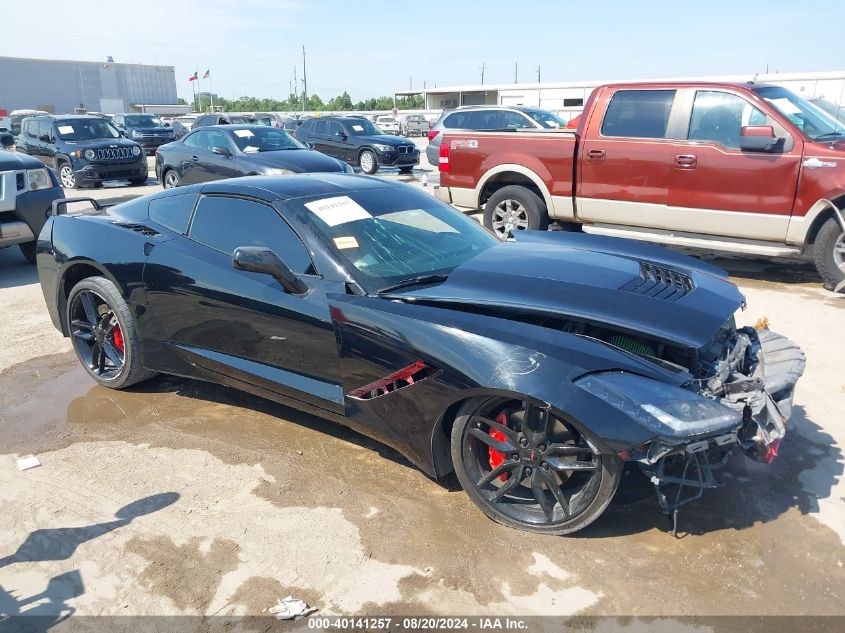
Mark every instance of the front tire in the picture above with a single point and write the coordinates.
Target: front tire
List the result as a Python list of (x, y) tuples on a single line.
[(136, 182), (67, 177), (548, 477), (515, 208), (28, 251), (406, 170), (368, 162), (171, 179), (829, 253), (103, 333)]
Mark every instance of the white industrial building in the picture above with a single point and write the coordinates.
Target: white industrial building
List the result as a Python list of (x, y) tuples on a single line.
[(569, 96)]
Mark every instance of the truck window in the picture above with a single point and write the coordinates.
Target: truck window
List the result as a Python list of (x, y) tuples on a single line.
[(719, 117), (638, 113)]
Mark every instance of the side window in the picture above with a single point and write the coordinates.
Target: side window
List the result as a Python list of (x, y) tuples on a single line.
[(720, 116), (335, 128), (515, 121), (321, 126), (215, 138), (174, 212), (31, 128), (483, 120), (197, 139), (224, 223), (455, 121), (45, 127), (305, 126), (638, 114)]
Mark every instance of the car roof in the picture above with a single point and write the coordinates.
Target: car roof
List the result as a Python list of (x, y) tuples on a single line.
[(272, 188), (66, 117)]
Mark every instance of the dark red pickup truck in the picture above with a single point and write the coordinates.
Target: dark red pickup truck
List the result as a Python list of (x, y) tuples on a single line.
[(745, 168)]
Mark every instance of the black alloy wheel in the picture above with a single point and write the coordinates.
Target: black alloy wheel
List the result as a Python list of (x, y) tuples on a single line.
[(530, 469)]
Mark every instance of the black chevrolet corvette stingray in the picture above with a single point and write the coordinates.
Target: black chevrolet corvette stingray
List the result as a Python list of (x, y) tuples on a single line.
[(535, 369)]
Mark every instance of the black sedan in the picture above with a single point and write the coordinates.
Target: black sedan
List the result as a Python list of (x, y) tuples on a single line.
[(228, 151), (535, 369), (358, 142)]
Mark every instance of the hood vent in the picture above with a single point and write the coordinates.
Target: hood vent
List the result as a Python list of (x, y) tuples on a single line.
[(139, 228), (660, 283)]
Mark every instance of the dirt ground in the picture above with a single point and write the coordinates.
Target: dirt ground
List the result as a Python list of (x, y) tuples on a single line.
[(180, 497)]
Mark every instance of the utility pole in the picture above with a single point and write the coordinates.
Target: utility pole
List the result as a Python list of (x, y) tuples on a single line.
[(482, 73), (295, 92), (516, 72), (538, 74), (411, 82), (304, 80)]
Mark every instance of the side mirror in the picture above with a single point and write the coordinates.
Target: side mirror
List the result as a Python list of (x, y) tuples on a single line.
[(340, 135), (222, 151), (259, 259), (44, 138), (7, 140), (759, 138)]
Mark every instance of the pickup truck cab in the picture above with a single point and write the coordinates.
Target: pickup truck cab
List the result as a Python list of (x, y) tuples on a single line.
[(744, 168)]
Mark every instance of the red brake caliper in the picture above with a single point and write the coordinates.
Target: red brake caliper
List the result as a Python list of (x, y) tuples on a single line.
[(496, 458), (118, 338)]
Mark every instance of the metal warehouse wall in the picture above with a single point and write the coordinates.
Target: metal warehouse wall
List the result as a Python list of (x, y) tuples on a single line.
[(61, 86)]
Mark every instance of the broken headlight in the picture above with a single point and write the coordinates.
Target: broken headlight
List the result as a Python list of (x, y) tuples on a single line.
[(671, 412)]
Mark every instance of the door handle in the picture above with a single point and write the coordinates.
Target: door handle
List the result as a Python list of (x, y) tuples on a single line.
[(686, 161), (194, 158), (596, 155)]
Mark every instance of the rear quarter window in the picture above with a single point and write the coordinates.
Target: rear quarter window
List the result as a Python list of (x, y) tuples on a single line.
[(174, 212), (638, 114)]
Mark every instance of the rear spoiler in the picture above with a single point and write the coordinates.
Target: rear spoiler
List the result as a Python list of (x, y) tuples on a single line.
[(60, 206)]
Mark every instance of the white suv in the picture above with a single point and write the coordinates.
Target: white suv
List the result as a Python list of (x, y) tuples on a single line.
[(388, 124)]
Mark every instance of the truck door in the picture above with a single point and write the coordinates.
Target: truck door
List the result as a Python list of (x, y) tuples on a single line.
[(625, 159), (716, 188)]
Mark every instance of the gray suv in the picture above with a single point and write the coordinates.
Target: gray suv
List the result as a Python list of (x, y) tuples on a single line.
[(487, 118)]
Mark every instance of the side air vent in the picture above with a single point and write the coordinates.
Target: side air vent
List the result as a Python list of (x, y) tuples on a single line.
[(139, 228), (660, 283), (405, 377), (19, 180)]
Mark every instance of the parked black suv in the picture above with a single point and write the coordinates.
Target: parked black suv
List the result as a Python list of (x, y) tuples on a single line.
[(84, 150), (146, 129), (27, 191), (358, 142)]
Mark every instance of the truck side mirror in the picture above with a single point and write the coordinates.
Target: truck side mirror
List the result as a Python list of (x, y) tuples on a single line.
[(259, 259), (7, 140), (759, 138)]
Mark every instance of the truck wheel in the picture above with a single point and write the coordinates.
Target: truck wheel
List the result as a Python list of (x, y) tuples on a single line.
[(28, 250), (368, 162), (515, 208), (102, 330), (66, 176), (830, 253)]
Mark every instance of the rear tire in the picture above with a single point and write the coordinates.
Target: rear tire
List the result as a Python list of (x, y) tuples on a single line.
[(96, 315), (135, 182), (829, 253), (28, 251), (515, 208), (368, 162), (406, 170), (170, 179)]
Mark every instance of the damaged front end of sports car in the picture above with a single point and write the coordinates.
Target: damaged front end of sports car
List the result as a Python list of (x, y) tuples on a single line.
[(740, 398)]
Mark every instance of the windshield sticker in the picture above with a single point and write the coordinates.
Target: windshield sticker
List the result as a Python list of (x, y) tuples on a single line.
[(65, 129), (243, 133), (346, 242), (358, 128), (338, 210), (785, 106)]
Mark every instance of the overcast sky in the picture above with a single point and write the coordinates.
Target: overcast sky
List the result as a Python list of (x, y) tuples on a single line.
[(372, 49)]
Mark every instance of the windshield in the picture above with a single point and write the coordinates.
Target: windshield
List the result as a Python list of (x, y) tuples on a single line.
[(546, 119), (810, 119), (140, 120), (86, 129), (389, 235), (362, 127), (259, 139)]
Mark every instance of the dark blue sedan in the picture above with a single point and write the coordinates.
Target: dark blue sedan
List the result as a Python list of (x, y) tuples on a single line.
[(228, 151)]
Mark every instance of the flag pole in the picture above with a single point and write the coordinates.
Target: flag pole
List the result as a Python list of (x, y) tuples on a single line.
[(210, 91)]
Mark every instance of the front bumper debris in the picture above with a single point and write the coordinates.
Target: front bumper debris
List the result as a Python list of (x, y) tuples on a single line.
[(756, 375)]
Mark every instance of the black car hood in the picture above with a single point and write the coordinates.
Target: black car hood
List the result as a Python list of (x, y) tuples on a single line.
[(15, 161), (98, 143), (384, 139), (296, 160), (583, 276), (161, 131)]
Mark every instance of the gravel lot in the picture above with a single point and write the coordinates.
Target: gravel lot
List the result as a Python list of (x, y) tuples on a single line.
[(180, 497)]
